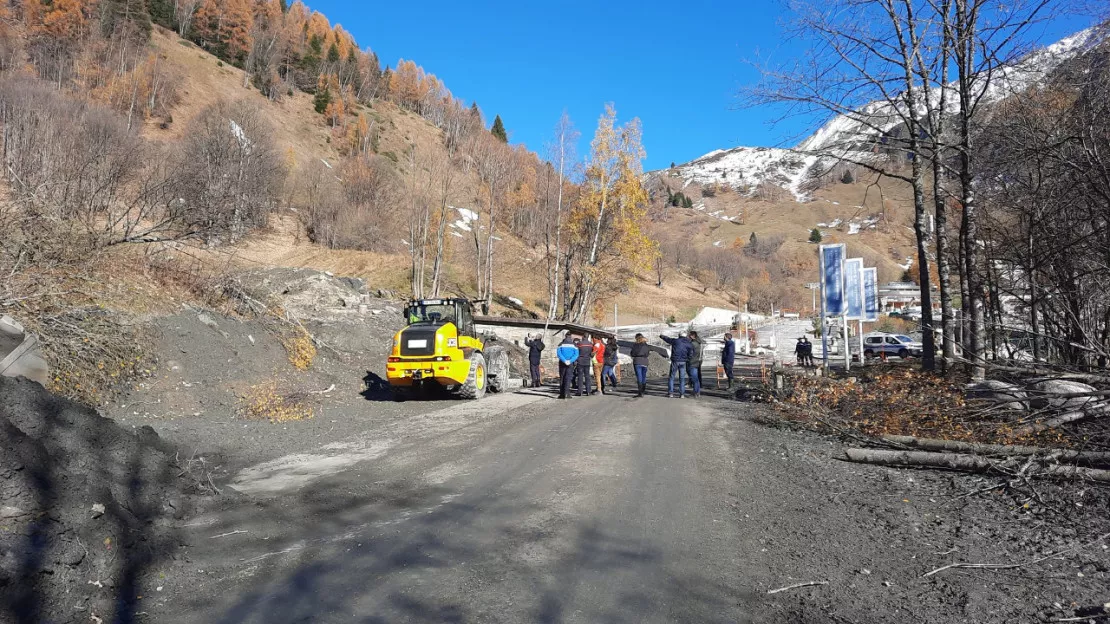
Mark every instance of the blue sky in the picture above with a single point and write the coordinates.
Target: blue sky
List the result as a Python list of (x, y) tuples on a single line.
[(675, 65)]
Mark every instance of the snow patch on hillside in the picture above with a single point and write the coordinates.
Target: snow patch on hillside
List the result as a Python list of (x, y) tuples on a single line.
[(749, 167), (466, 217)]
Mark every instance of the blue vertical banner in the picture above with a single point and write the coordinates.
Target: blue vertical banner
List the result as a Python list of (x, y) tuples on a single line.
[(853, 288), (871, 295), (832, 279)]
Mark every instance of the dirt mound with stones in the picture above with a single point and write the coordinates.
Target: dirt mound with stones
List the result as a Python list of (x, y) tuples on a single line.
[(86, 509)]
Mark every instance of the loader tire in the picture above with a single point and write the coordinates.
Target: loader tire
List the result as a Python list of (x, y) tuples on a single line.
[(475, 385), (497, 369)]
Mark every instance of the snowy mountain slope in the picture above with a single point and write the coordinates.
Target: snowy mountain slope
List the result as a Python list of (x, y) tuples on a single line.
[(843, 131), (744, 166), (843, 135)]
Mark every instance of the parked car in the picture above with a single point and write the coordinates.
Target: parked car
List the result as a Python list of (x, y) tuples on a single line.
[(876, 344)]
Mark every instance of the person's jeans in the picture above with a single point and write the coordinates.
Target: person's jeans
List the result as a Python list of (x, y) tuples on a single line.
[(728, 369), (693, 369), (608, 374), (535, 370), (678, 369), (641, 375), (584, 381)]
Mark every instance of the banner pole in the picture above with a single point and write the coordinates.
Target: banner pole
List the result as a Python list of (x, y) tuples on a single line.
[(847, 345), (862, 360), (824, 328)]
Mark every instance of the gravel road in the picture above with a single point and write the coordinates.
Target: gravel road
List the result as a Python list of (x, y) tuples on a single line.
[(522, 508), (518, 508)]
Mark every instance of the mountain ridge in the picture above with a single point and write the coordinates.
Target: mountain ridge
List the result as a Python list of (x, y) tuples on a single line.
[(747, 167)]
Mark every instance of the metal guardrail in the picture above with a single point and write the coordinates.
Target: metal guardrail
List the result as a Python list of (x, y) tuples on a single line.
[(20, 354)]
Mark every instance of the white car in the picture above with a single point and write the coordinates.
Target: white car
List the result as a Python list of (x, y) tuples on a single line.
[(876, 344)]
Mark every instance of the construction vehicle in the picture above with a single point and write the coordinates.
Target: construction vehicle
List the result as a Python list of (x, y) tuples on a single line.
[(439, 349)]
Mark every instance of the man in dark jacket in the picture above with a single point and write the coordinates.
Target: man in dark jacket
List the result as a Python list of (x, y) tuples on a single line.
[(567, 354), (680, 355), (728, 358), (693, 366), (610, 361), (585, 359), (535, 348), (640, 352)]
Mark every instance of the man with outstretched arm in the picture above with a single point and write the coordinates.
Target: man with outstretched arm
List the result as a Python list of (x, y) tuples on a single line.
[(535, 349), (681, 348)]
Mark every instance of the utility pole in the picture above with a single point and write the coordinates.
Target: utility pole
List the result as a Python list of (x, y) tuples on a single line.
[(814, 286)]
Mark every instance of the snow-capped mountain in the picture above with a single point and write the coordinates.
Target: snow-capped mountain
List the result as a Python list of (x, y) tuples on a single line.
[(748, 167)]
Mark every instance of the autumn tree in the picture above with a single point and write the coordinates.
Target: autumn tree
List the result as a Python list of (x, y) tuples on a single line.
[(224, 26), (607, 221)]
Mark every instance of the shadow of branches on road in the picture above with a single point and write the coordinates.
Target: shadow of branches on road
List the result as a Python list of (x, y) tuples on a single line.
[(407, 551)]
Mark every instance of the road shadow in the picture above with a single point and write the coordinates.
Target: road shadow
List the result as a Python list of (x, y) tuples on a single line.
[(409, 552)]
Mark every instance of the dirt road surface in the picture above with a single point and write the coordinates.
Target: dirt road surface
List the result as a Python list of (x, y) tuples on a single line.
[(519, 508), (524, 508)]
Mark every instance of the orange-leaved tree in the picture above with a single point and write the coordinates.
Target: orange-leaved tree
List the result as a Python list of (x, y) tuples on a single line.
[(607, 223)]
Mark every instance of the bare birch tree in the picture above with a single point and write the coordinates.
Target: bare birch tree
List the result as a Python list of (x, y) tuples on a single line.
[(862, 67), (562, 154)]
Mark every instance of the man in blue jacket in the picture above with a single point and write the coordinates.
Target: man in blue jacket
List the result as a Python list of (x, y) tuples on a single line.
[(535, 349), (567, 354), (728, 358), (681, 349)]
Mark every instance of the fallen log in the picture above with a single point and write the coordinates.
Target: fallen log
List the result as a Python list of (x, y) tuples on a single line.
[(1063, 419), (1093, 458), (972, 463)]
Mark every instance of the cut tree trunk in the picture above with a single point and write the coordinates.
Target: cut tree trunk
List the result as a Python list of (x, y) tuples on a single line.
[(1063, 419), (970, 463), (1094, 458)]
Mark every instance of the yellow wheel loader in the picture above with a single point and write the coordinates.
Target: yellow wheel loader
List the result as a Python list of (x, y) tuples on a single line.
[(440, 349)]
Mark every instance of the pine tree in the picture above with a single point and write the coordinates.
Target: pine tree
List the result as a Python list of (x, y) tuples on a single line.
[(687, 202), (323, 98), (161, 11), (498, 130), (752, 239), (847, 178), (115, 15), (333, 54), (815, 236)]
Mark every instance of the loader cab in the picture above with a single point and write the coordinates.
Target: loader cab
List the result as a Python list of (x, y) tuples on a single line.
[(437, 312)]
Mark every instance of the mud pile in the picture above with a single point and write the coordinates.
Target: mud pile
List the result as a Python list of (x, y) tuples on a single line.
[(85, 509)]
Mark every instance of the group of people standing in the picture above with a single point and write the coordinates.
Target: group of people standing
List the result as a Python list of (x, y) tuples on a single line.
[(686, 362), (803, 352), (585, 365), (588, 366)]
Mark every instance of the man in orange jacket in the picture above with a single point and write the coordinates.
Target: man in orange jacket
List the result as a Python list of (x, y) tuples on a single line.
[(599, 359)]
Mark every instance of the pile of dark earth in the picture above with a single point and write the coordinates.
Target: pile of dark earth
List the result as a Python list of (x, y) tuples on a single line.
[(86, 509)]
